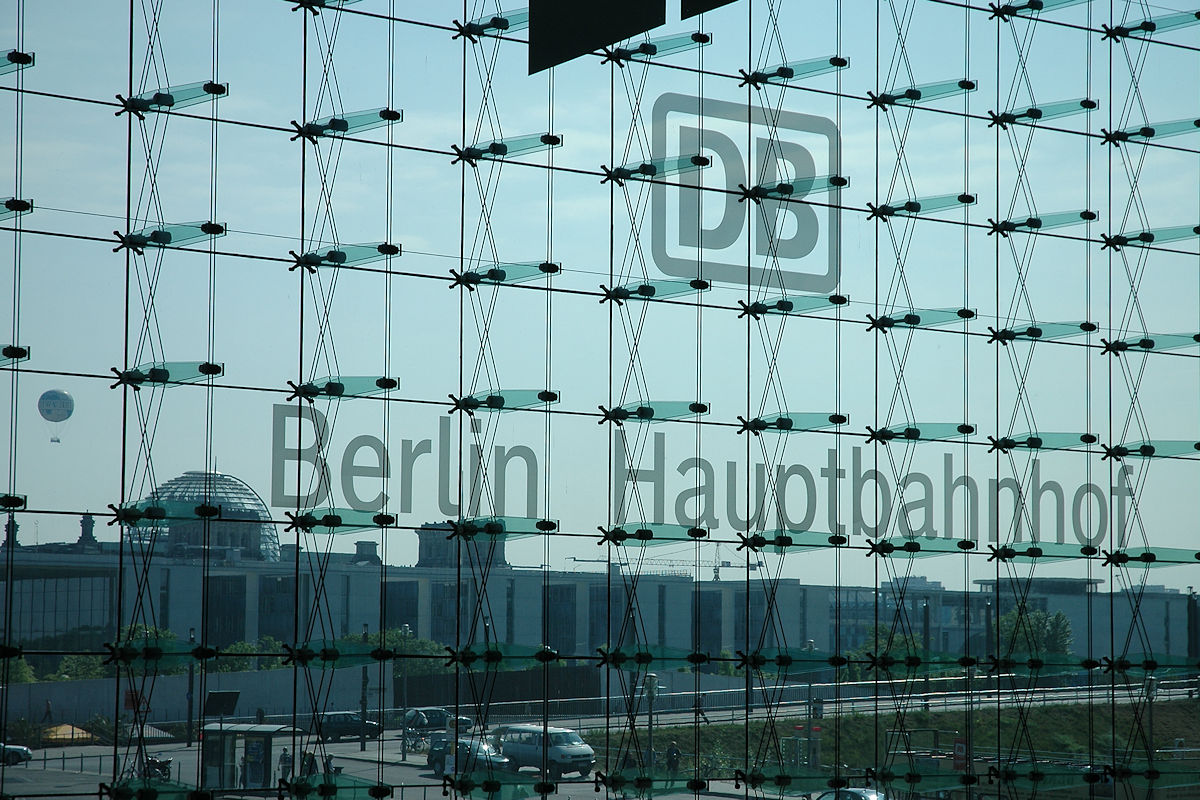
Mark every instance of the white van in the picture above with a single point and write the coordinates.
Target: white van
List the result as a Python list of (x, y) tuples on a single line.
[(565, 750)]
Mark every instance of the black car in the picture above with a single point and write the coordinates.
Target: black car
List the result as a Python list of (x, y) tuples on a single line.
[(430, 718), (338, 724), (471, 755)]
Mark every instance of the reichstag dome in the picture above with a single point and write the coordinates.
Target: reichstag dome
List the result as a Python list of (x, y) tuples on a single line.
[(243, 523)]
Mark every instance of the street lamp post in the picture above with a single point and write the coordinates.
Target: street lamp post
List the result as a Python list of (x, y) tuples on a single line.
[(191, 685), (651, 684), (362, 728), (405, 632)]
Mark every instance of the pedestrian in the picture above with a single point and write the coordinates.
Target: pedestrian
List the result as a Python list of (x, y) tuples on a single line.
[(698, 708), (285, 764), (673, 757), (48, 716), (329, 763), (242, 772)]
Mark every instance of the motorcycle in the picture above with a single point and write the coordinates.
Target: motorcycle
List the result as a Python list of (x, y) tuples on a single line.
[(158, 768)]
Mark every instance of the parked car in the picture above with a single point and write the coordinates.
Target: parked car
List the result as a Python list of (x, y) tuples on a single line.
[(851, 794), (430, 718), (470, 755), (565, 751), (337, 724), (16, 754)]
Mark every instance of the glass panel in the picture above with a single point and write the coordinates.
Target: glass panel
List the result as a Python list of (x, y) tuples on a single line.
[(347, 255), (661, 167), (14, 206), (1162, 341), (1058, 219), (1048, 330), (169, 373), (1050, 441), (1160, 448), (658, 411), (800, 69), (342, 520), (791, 422), (357, 122), (1168, 22), (646, 534), (16, 60), (925, 431), (663, 46), (13, 354), (1063, 108), (174, 235), (796, 304), (176, 97), (512, 272), (1163, 130), (508, 399), (500, 23), (339, 387), (926, 317), (658, 289), (924, 92), (800, 186), (1160, 235), (927, 205), (513, 146), (502, 528)]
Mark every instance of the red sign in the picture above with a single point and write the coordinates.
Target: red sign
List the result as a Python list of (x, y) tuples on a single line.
[(960, 755)]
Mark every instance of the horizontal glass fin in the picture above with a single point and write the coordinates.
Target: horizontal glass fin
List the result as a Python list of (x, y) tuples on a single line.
[(13, 354), (800, 69), (925, 92), (1047, 441), (927, 205), (792, 422), (172, 97), (13, 206), (1063, 108), (925, 317), (639, 655), (1057, 219), (1155, 557), (658, 289), (513, 146), (326, 3), (663, 46), (1161, 341), (1053, 5), (508, 399), (500, 22), (170, 372), (515, 272), (1174, 233), (333, 653), (924, 431), (339, 387), (796, 304), (1167, 22), (345, 124), (660, 167), (346, 255), (1162, 130), (503, 528), (342, 520), (652, 534), (799, 187), (1042, 551), (1048, 330), (151, 512), (657, 411), (1161, 448), (782, 540), (16, 60), (174, 235)]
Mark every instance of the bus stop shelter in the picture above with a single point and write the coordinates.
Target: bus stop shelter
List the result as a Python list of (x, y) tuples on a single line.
[(222, 760)]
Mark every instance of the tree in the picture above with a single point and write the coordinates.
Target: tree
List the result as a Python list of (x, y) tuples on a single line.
[(880, 640), (1037, 633), (80, 668), (20, 671)]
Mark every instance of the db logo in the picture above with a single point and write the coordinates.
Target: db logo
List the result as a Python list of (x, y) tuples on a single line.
[(792, 246)]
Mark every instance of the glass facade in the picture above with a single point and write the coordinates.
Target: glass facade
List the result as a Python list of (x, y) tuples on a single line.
[(789, 399)]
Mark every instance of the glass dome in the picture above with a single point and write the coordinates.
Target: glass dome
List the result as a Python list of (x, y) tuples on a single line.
[(244, 523)]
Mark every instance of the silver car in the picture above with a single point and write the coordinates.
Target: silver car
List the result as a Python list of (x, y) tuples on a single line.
[(16, 754)]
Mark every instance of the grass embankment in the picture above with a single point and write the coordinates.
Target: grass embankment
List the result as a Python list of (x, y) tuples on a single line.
[(862, 740)]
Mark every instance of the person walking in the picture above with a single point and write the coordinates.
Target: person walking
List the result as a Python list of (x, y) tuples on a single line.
[(673, 758), (48, 716), (698, 708), (285, 764)]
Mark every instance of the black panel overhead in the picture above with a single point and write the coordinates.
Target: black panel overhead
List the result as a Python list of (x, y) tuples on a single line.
[(560, 31), (691, 8)]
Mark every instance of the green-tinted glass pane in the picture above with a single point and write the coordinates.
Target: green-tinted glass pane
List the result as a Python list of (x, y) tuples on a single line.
[(903, 547), (356, 122), (1054, 5), (14, 206), (1159, 556), (928, 205), (1161, 448), (504, 528), (660, 167), (171, 372), (653, 534), (664, 46), (342, 520), (796, 304), (792, 422), (174, 235), (513, 146), (1051, 441), (1162, 341), (182, 96), (929, 317), (925, 92), (800, 69), (500, 22), (1162, 130), (335, 653), (508, 399), (1060, 219), (926, 431), (658, 289), (13, 354), (1043, 111), (339, 387), (1040, 551), (515, 272), (16, 60), (1162, 235), (152, 512), (327, 3), (658, 411), (346, 255), (1052, 330), (1170, 22), (799, 187)]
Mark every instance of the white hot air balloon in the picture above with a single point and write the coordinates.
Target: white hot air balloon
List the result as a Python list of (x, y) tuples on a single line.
[(56, 407)]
